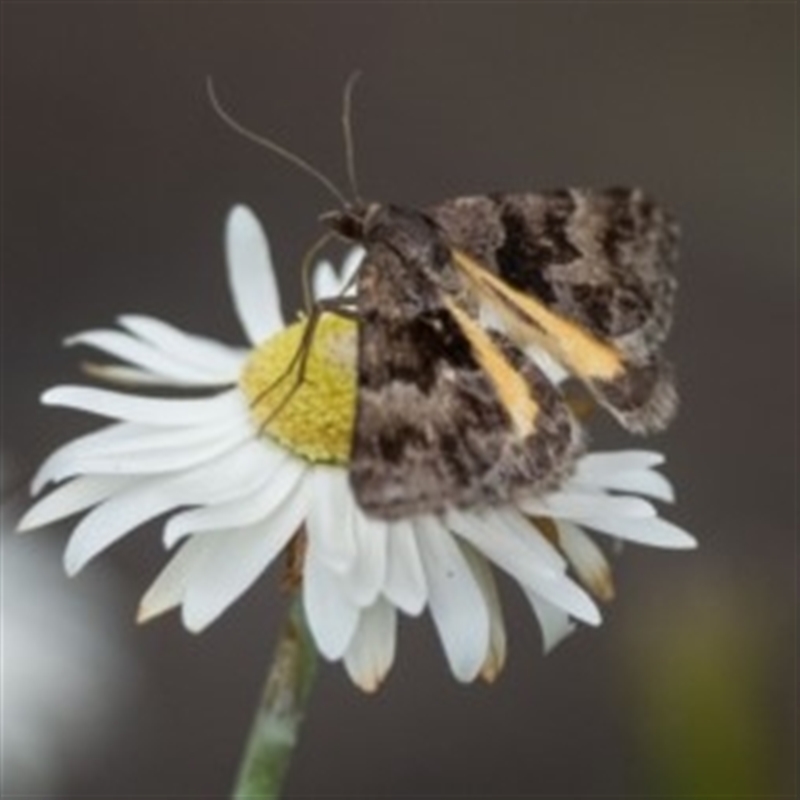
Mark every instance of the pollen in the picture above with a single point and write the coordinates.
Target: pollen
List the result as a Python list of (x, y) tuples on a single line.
[(308, 409)]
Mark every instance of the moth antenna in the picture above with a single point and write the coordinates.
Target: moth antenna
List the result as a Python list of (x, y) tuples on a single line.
[(347, 128), (279, 150)]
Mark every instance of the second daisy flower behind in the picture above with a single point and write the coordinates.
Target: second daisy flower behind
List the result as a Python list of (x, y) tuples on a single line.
[(239, 484)]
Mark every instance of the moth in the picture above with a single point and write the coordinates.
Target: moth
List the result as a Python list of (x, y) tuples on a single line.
[(452, 411)]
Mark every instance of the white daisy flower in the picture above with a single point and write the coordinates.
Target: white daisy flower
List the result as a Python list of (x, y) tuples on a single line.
[(239, 485)]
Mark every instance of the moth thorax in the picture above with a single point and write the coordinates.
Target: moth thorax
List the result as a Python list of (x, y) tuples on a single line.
[(413, 235)]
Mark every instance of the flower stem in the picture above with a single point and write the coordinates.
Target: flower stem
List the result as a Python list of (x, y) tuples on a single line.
[(280, 712)]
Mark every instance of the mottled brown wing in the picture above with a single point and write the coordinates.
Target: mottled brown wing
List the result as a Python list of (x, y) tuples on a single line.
[(447, 414), (601, 261)]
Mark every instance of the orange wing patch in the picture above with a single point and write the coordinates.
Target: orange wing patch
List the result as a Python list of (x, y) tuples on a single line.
[(531, 322), (512, 388)]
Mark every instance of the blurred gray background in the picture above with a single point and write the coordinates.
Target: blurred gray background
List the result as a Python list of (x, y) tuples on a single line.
[(116, 180)]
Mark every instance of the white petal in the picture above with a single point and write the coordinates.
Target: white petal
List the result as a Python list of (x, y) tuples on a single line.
[(243, 511), (169, 588), (565, 594), (655, 532), (234, 475), (510, 546), (133, 438), (496, 657), (330, 519), (596, 466), (237, 559), (646, 482), (370, 655), (129, 377), (71, 498), (96, 441), (153, 411), (352, 261), (128, 439), (199, 351), (555, 624), (405, 580), (325, 281), (587, 559), (332, 616), (251, 277), (513, 554), (457, 604), (153, 461), (230, 476), (113, 519), (512, 522), (574, 504), (368, 572), (143, 355)]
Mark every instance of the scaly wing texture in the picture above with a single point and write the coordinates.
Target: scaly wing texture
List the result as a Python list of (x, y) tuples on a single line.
[(601, 263), (447, 414)]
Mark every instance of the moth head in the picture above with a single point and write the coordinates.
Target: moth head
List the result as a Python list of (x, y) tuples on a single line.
[(350, 222)]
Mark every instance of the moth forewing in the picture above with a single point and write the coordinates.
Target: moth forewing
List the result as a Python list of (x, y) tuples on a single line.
[(447, 414)]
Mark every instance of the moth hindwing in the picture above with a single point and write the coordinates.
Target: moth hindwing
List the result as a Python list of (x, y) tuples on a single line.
[(450, 413)]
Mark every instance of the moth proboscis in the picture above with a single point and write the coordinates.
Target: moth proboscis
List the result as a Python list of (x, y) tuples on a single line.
[(452, 411)]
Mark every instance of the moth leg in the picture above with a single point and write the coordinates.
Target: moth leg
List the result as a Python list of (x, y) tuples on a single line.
[(341, 307)]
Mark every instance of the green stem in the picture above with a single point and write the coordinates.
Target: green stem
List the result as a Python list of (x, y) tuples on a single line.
[(280, 712)]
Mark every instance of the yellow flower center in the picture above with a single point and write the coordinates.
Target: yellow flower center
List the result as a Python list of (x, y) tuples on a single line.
[(313, 417)]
